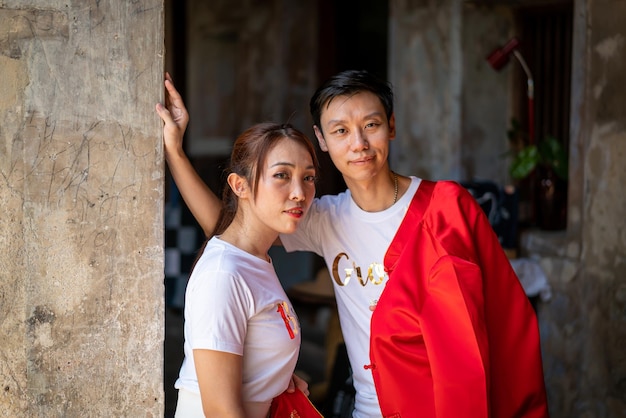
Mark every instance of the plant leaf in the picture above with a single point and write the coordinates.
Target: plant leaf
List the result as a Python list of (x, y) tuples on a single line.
[(554, 155), (525, 162)]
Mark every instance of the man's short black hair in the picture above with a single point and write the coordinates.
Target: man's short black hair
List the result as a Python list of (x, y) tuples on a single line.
[(349, 83)]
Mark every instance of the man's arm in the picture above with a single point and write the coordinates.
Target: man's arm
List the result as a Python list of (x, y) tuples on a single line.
[(204, 205)]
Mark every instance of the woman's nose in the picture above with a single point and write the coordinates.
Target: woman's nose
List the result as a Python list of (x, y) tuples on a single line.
[(297, 191)]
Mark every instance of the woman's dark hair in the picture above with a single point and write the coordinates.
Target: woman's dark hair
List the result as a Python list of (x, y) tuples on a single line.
[(249, 155), (349, 83)]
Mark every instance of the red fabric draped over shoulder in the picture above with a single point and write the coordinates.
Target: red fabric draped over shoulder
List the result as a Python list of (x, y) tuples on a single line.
[(453, 333)]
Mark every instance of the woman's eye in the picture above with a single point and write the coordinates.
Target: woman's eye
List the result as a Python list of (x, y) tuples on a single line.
[(311, 179), (281, 176)]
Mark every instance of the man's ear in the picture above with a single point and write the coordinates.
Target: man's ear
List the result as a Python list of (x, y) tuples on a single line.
[(320, 138), (392, 127), (238, 184)]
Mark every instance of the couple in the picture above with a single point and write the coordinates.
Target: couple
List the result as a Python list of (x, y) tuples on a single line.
[(436, 323)]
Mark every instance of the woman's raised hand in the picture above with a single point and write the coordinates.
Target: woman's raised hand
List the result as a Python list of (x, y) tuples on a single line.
[(175, 116)]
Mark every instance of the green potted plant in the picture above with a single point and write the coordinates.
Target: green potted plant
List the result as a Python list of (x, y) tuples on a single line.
[(548, 153), (545, 164)]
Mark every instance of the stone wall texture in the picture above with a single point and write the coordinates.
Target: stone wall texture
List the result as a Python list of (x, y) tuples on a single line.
[(81, 241), (584, 325), (451, 113)]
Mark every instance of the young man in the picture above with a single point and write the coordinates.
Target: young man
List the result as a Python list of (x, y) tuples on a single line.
[(435, 321)]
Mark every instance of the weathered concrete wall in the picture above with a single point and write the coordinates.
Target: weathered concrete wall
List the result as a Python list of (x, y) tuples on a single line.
[(248, 62), (425, 67), (485, 97), (81, 242), (452, 108), (584, 326)]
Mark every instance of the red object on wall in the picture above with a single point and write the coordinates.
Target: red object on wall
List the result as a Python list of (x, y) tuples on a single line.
[(498, 58)]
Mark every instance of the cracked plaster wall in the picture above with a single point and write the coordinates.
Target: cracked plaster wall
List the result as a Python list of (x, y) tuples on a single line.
[(584, 325), (447, 105), (81, 172)]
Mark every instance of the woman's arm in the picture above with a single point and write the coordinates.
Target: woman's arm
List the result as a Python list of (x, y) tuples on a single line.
[(220, 380), (204, 205)]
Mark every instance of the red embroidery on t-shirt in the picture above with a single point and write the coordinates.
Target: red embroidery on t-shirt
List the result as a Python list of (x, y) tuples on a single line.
[(287, 320)]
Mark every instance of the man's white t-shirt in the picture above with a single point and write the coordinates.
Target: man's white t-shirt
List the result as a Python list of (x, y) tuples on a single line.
[(353, 243), (235, 303)]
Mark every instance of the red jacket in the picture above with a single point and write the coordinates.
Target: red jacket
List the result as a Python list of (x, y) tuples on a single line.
[(454, 334)]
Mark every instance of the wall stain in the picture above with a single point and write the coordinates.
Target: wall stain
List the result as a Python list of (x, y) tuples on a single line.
[(23, 25), (610, 47), (41, 315)]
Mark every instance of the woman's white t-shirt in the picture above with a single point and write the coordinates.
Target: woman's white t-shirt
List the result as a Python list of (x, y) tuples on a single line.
[(235, 303)]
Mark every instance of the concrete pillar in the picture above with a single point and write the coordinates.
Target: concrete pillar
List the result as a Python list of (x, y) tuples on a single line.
[(426, 71), (81, 191)]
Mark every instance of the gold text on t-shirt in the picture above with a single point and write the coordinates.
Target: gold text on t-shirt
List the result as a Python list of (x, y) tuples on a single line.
[(375, 272)]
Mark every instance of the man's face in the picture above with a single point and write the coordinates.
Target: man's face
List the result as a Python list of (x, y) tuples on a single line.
[(355, 132)]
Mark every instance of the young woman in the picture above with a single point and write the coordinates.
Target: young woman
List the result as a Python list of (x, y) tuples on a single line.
[(242, 337)]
